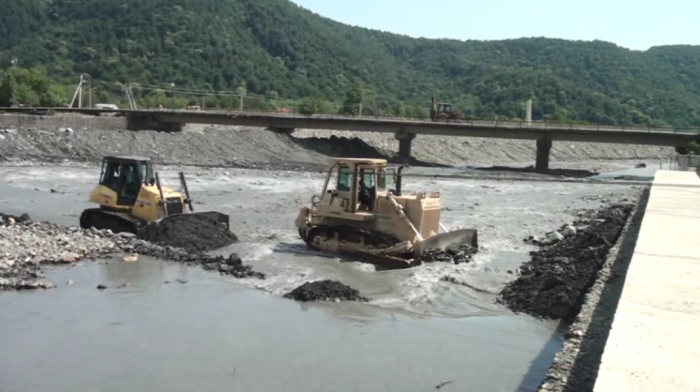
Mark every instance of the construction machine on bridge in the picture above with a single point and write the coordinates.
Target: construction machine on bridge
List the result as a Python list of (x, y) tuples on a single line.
[(132, 199), (443, 112), (362, 212)]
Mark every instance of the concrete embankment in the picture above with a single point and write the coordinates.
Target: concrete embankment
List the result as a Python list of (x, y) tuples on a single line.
[(654, 343), (87, 139)]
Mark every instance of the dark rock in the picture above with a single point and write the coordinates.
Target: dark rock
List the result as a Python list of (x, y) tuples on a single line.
[(553, 283), (463, 254), (192, 232), (326, 290), (101, 287)]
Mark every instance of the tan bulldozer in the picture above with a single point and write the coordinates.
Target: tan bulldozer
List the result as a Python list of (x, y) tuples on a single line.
[(363, 213)]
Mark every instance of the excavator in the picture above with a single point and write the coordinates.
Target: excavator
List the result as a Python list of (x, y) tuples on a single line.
[(131, 199), (362, 212)]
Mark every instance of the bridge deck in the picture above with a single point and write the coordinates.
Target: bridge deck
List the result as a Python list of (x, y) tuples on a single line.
[(654, 344), (468, 128)]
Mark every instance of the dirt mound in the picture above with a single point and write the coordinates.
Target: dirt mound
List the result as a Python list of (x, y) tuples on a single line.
[(192, 231), (552, 284), (233, 266), (327, 290), (461, 255)]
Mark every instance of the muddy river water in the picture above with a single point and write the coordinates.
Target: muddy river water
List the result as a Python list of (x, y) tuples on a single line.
[(215, 332)]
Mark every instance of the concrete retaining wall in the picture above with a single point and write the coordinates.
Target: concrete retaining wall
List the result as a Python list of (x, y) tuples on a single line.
[(52, 123)]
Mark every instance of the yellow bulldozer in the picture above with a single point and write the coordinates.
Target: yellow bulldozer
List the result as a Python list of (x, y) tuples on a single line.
[(363, 213), (132, 199)]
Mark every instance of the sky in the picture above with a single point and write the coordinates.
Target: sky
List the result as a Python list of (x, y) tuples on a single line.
[(634, 24)]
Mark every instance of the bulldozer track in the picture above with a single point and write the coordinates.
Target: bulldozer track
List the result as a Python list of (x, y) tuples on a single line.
[(373, 239), (103, 219)]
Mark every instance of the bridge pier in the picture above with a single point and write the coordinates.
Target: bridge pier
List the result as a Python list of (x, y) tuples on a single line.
[(148, 123), (405, 140), (682, 150), (283, 131), (543, 148)]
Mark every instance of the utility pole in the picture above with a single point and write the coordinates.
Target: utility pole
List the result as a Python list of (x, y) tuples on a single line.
[(90, 93), (528, 111), (11, 82), (78, 94), (361, 97)]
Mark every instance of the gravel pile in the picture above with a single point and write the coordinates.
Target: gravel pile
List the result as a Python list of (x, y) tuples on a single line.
[(327, 290), (193, 232), (233, 266), (553, 283), (463, 254), (26, 246)]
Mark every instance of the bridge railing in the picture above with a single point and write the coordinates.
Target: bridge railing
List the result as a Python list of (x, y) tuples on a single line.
[(496, 124)]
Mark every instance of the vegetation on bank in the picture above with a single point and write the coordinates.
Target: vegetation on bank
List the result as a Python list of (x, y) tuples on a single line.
[(279, 55)]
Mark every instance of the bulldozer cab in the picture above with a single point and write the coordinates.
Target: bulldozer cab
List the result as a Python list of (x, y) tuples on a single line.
[(444, 108), (125, 175), (354, 185)]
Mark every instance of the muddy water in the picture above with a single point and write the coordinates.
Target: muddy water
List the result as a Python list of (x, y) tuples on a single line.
[(215, 332)]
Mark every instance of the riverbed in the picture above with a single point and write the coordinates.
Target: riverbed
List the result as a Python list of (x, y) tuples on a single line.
[(214, 332)]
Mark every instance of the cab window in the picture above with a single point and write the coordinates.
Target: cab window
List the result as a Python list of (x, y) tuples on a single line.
[(381, 179), (367, 176), (111, 173), (143, 172), (344, 180)]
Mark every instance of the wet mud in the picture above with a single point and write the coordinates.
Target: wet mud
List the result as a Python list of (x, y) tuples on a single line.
[(553, 283), (326, 290), (462, 255), (192, 232)]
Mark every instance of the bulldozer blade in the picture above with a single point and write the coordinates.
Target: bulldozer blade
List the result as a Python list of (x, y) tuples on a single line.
[(383, 261), (445, 241)]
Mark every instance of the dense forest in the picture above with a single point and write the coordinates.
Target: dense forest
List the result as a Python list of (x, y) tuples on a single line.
[(285, 54)]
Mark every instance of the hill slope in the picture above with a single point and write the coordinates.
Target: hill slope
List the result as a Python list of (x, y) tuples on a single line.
[(274, 47)]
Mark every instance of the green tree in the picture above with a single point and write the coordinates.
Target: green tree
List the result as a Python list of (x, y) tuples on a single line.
[(353, 99), (29, 87), (314, 105)]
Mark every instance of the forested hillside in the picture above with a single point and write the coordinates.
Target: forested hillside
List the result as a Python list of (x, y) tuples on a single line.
[(276, 49)]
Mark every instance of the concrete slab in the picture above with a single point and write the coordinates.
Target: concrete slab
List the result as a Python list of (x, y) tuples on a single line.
[(654, 344)]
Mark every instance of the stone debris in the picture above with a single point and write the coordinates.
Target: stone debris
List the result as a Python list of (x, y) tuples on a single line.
[(27, 246), (553, 283), (326, 290), (463, 254), (194, 232)]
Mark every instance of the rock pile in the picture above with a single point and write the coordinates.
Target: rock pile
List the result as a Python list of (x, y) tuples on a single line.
[(327, 290), (233, 265), (26, 246), (463, 254), (552, 284), (192, 231)]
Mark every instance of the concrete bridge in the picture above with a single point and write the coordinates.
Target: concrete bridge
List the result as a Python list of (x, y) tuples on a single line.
[(404, 129)]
